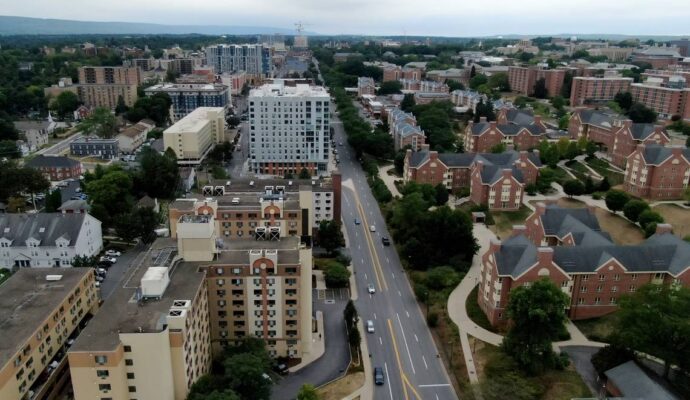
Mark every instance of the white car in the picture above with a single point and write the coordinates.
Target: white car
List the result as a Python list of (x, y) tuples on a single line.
[(101, 271), (98, 284), (372, 228), (111, 260), (370, 326), (113, 253), (371, 288)]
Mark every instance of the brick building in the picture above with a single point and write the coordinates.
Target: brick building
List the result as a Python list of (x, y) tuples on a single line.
[(656, 172), (666, 101), (523, 79), (56, 168), (404, 130), (618, 137), (482, 136), (365, 86), (395, 72), (568, 247), (497, 180), (590, 90)]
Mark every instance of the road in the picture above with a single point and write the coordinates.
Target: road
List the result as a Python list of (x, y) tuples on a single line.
[(130, 256), (336, 356), (402, 344)]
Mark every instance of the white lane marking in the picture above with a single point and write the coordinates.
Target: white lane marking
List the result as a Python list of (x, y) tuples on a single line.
[(374, 315), (393, 273), (380, 341), (387, 260), (390, 387), (436, 396), (362, 261), (406, 346), (416, 338), (359, 247), (399, 294), (425, 364), (370, 296), (365, 276), (408, 314), (436, 385)]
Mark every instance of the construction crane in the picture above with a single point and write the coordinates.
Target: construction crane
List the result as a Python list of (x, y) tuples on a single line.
[(299, 26)]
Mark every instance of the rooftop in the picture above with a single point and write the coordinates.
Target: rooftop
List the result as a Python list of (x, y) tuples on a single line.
[(634, 383), (237, 251), (51, 161), (177, 87), (279, 89), (122, 313), (44, 227), (27, 299), (194, 121)]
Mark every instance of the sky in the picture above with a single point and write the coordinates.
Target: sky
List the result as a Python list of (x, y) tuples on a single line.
[(385, 17)]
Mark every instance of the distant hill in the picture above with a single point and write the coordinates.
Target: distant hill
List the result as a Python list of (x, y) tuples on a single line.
[(39, 26)]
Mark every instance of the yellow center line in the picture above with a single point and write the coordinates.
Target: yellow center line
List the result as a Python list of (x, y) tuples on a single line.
[(380, 278), (403, 379), (416, 393)]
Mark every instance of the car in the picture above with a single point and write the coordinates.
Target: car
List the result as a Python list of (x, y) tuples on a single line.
[(99, 278), (379, 377), (340, 143), (385, 241), (282, 369), (371, 288), (111, 260), (98, 284), (113, 253), (357, 221), (104, 264), (372, 228), (101, 271), (370, 326), (78, 190)]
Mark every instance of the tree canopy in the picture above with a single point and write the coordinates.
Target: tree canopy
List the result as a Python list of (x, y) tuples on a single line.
[(101, 122)]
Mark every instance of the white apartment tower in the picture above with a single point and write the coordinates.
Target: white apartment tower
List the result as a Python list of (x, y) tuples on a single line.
[(254, 59), (289, 128)]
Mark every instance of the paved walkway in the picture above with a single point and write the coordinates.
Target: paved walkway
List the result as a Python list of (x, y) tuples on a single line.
[(389, 180)]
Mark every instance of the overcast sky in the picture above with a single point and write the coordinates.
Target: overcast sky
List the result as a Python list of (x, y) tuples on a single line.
[(385, 17)]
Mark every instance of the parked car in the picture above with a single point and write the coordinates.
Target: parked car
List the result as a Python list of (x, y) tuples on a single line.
[(98, 284), (113, 253), (379, 377), (101, 271), (282, 369), (370, 326), (372, 228), (385, 241), (371, 288), (111, 260), (99, 278)]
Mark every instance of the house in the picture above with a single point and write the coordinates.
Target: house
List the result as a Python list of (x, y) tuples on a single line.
[(656, 172), (404, 130), (36, 133), (74, 207), (484, 136), (629, 381), (149, 202), (567, 247), (46, 240), (82, 112), (365, 86), (134, 136), (497, 180), (56, 168), (94, 146)]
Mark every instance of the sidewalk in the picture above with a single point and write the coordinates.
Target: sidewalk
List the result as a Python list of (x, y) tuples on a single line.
[(318, 346), (365, 392), (389, 180)]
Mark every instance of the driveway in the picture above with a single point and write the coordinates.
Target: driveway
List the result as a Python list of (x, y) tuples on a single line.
[(581, 357), (336, 357), (117, 270)]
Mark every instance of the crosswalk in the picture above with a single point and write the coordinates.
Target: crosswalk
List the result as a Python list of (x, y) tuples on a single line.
[(332, 294)]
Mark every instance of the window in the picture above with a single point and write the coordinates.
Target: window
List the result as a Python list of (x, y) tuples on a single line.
[(129, 361), (132, 389), (100, 360), (130, 375), (128, 349), (601, 278), (102, 373), (104, 387)]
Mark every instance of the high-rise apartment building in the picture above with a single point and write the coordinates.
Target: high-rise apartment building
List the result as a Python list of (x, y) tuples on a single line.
[(103, 86), (192, 137), (289, 128), (254, 59), (189, 96), (151, 339), (42, 311), (523, 79), (110, 76), (589, 90)]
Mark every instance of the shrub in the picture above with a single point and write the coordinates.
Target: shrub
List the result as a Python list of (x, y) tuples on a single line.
[(634, 208), (432, 319), (610, 357), (337, 276)]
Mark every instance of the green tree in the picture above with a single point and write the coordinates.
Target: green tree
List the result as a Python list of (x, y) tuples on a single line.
[(158, 175), (610, 357), (9, 149), (307, 392), (390, 87), (478, 80), (65, 103), (101, 122), (499, 81), (330, 235), (7, 129), (80, 261), (540, 90), (441, 196), (604, 185), (624, 100), (112, 193), (244, 374), (336, 276), (648, 216), (407, 102), (558, 102), (440, 278), (498, 148), (454, 85), (53, 201), (399, 160), (639, 113), (304, 174), (634, 208), (616, 200), (538, 316), (573, 187), (656, 320), (214, 395), (354, 338)]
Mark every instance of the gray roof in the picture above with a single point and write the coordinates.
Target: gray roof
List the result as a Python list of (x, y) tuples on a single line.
[(597, 118), (45, 227), (641, 131), (656, 154), (519, 117), (506, 129), (634, 383), (24, 126), (517, 255), (74, 205), (418, 158), (48, 162), (583, 225)]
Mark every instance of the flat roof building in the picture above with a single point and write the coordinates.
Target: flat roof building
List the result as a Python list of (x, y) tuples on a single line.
[(192, 137), (189, 96), (42, 311)]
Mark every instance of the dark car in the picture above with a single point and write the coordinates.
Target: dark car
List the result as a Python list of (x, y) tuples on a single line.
[(357, 221), (379, 377), (282, 369), (385, 241)]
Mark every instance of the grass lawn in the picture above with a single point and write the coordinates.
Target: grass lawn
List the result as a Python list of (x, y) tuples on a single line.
[(554, 385), (602, 167), (504, 221), (4, 275), (678, 217), (598, 329), (476, 313)]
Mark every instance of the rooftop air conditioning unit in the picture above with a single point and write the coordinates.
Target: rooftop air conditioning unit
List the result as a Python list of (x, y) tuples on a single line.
[(53, 278)]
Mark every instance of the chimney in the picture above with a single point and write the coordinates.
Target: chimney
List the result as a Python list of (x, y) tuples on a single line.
[(541, 208), (480, 165), (663, 228), (492, 124), (482, 119), (519, 230), (627, 123), (544, 256), (424, 147), (408, 153), (677, 150), (537, 120), (494, 245), (507, 172), (523, 155)]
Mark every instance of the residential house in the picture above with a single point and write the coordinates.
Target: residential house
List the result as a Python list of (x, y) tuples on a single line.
[(404, 130), (656, 172), (134, 136), (56, 168), (96, 147), (36, 133), (365, 86), (484, 136)]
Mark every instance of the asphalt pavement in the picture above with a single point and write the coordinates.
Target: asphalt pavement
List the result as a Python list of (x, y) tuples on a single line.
[(336, 358), (402, 344), (117, 270)]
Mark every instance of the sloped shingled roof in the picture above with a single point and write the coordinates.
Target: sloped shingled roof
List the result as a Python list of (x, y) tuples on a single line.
[(656, 154), (45, 227), (49, 162), (506, 129)]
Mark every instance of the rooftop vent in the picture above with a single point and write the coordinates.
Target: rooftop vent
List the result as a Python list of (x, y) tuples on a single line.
[(41, 230), (53, 278), (176, 313), (181, 303)]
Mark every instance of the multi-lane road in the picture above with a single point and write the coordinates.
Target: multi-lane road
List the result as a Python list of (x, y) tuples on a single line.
[(401, 344)]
